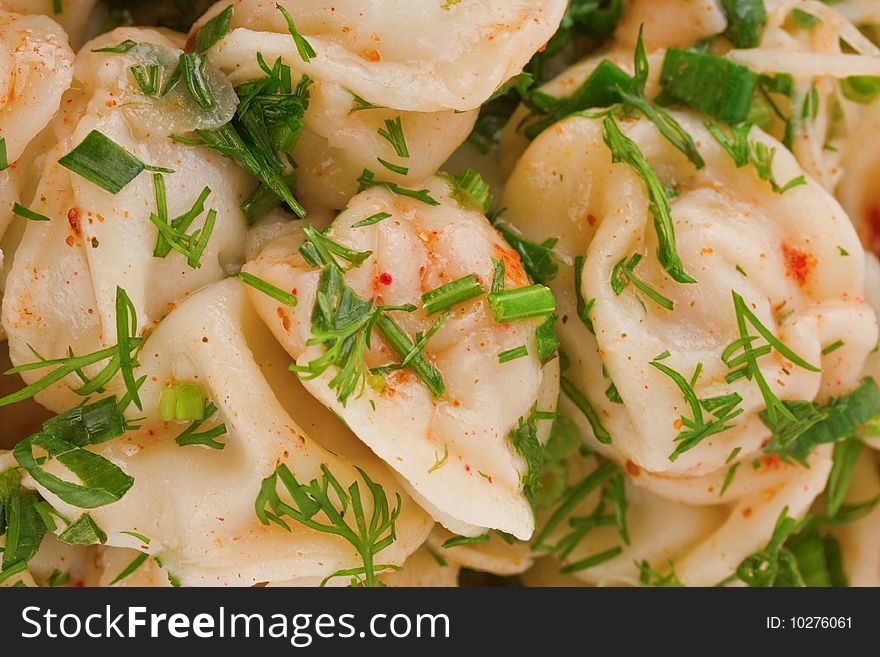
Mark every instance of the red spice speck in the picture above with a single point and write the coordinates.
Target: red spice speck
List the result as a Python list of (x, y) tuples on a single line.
[(467, 468), (798, 264), (73, 220), (385, 278), (747, 512), (632, 468)]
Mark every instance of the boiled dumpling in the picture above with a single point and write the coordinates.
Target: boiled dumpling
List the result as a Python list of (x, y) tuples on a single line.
[(701, 541), (197, 505), (61, 291), (74, 15), (449, 443), (37, 67), (379, 69), (793, 259), (860, 540), (668, 23)]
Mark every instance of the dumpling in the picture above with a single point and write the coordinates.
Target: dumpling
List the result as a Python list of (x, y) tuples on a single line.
[(701, 541), (61, 291), (857, 191), (37, 67), (196, 505), (785, 265), (819, 116), (381, 86), (668, 23), (446, 428), (73, 17), (860, 540), (417, 55)]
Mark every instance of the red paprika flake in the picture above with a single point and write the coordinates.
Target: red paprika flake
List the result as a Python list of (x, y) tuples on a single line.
[(385, 278), (798, 264), (73, 220)]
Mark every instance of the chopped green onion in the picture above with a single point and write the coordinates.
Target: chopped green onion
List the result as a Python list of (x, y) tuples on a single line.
[(182, 401), (4, 160), (512, 354), (713, 85), (861, 88), (453, 293), (103, 482), (806, 425), (147, 78), (84, 531), (22, 211), (268, 289), (522, 303), (192, 67), (20, 519), (306, 52), (745, 22), (127, 326), (105, 163), (89, 424)]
